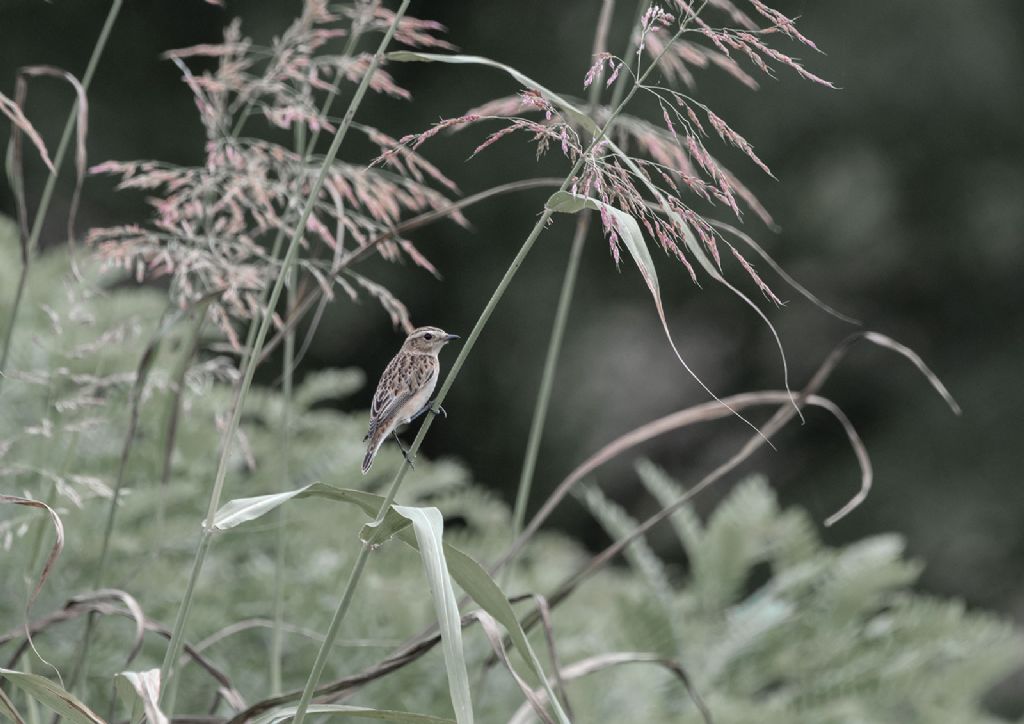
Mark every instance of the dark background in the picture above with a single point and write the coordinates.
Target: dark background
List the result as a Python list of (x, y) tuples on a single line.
[(900, 200)]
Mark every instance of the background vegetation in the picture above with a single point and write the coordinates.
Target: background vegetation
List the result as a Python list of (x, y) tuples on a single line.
[(898, 203)]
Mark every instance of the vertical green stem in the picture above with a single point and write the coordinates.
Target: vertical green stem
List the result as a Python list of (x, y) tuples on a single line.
[(80, 671), (168, 688), (467, 347), (177, 635), (51, 181), (543, 397), (622, 82), (277, 640), (540, 409), (173, 415)]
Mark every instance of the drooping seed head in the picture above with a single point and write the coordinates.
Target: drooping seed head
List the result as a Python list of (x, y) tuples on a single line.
[(427, 340)]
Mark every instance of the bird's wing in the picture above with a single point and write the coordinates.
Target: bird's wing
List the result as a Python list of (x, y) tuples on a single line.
[(404, 376), (389, 393)]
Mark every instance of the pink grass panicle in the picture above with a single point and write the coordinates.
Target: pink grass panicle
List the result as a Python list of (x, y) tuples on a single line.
[(675, 182), (213, 225)]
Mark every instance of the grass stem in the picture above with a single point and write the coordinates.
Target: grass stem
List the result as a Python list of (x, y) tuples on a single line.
[(281, 542), (467, 347), (540, 409), (51, 182), (181, 621)]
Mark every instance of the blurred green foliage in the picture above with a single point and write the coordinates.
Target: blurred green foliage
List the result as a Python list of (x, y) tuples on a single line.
[(898, 200), (769, 624)]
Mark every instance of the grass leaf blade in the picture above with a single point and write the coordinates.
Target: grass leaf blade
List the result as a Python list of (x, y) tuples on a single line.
[(405, 56), (428, 526), (8, 710), (142, 687), (632, 237), (363, 712), (52, 696), (469, 574)]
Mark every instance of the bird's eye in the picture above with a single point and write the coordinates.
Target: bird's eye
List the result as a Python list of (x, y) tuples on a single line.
[(428, 336)]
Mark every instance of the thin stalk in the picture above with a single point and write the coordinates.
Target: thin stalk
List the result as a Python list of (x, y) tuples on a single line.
[(360, 562), (277, 637), (33, 706), (308, 298), (620, 84), (244, 363), (51, 181), (499, 292), (135, 410), (354, 32), (173, 415), (80, 671), (177, 634), (540, 410)]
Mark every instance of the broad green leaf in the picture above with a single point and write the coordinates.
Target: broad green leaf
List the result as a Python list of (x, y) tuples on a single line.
[(363, 712), (378, 533), (405, 56), (141, 687), (428, 527), (476, 582), (241, 510), (53, 696), (469, 574)]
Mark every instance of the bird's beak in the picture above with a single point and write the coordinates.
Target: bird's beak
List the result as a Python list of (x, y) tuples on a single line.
[(450, 337)]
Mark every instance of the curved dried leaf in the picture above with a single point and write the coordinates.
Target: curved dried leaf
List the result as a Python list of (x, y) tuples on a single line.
[(494, 638), (889, 343), (746, 239), (81, 131), (55, 550), (22, 125), (600, 662), (132, 606)]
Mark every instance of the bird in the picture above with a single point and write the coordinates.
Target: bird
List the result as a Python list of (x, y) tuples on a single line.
[(405, 387)]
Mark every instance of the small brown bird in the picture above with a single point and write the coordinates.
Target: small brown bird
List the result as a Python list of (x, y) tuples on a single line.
[(404, 390)]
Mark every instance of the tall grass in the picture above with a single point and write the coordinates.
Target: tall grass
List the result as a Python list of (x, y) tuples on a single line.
[(259, 235), (31, 242), (291, 253)]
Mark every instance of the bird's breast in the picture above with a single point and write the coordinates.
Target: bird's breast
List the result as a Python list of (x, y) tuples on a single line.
[(420, 398)]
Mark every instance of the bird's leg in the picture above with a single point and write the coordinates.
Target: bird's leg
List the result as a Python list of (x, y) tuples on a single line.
[(429, 407), (405, 452), (436, 409)]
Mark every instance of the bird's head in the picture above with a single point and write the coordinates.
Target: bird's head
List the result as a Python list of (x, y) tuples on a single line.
[(428, 340)]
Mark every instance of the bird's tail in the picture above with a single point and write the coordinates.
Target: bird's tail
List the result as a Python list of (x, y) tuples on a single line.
[(371, 453)]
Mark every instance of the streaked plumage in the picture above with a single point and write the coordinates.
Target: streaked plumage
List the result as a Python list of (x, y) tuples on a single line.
[(404, 390)]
